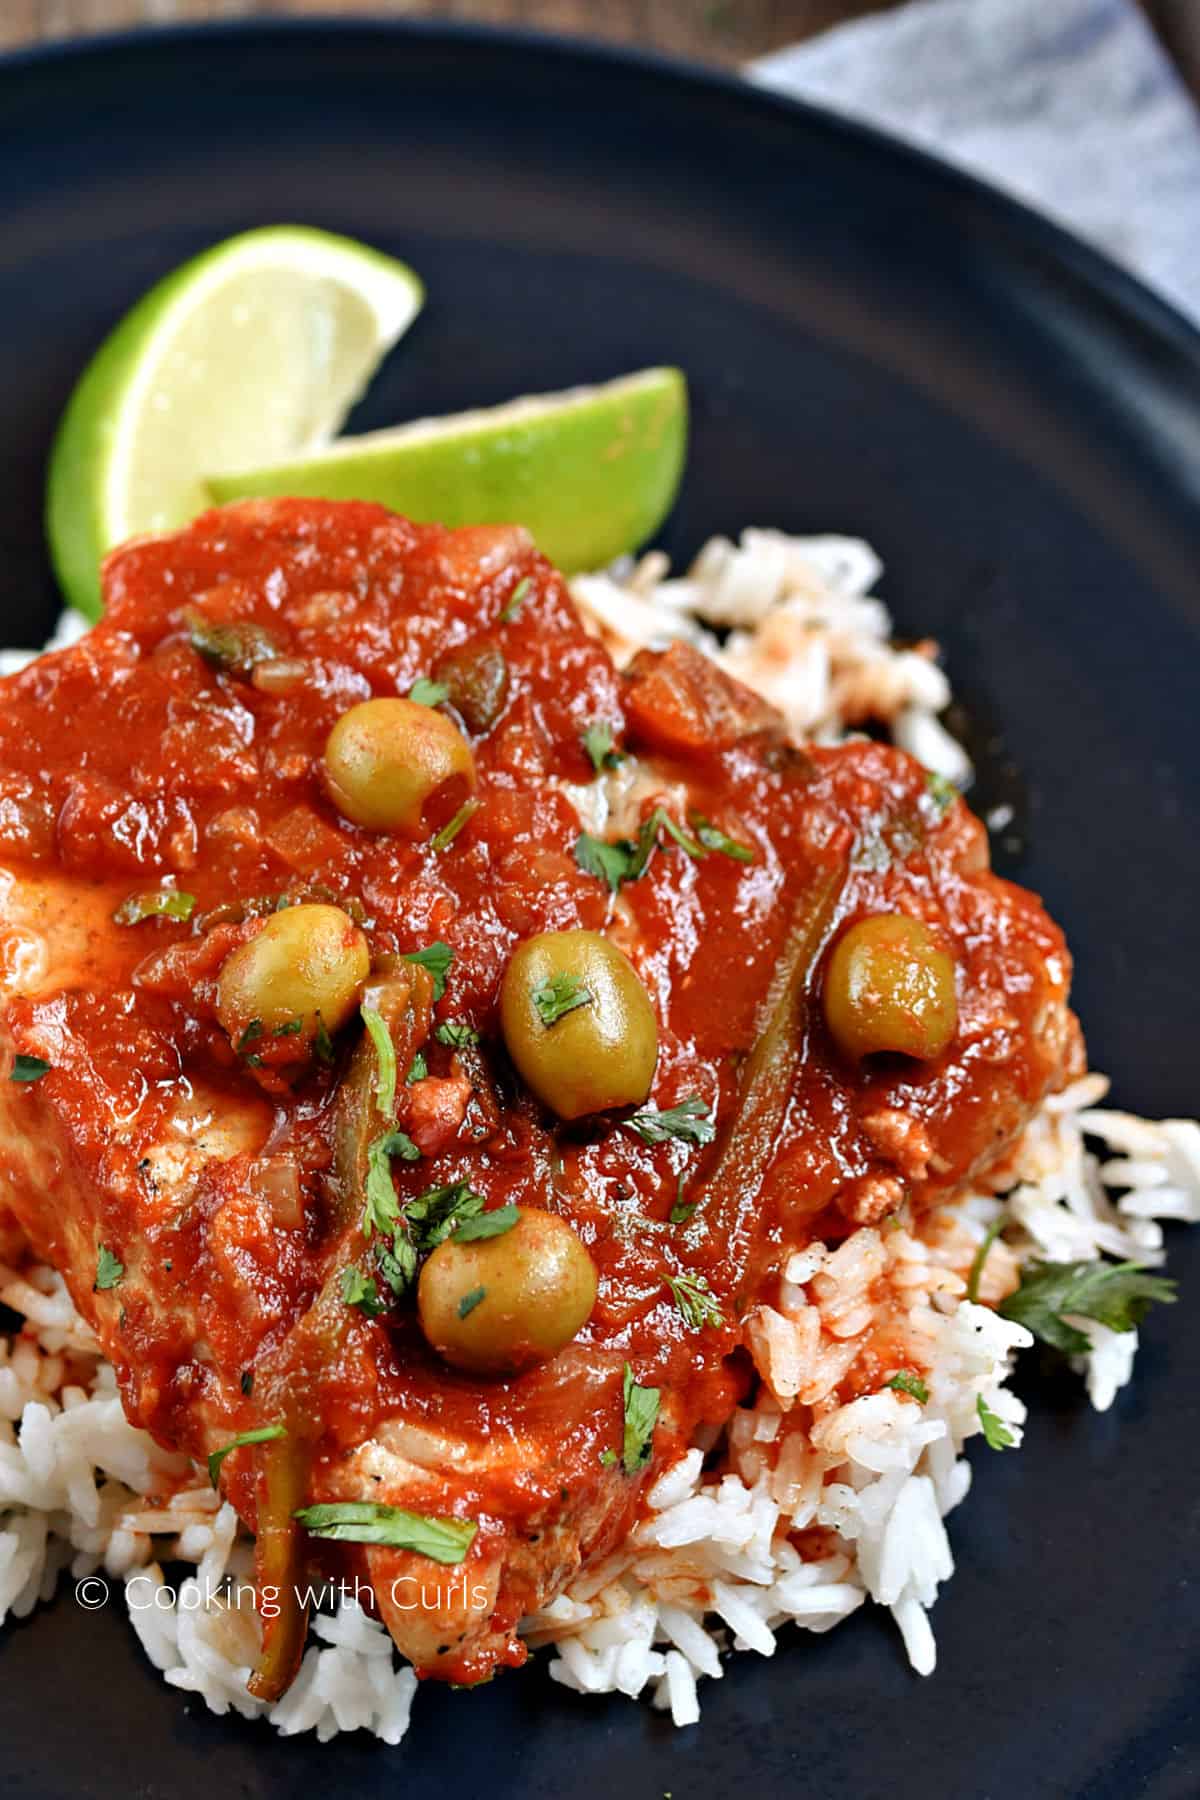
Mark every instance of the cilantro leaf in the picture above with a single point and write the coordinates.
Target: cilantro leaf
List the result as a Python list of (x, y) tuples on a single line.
[(292, 1028), (905, 1382), (262, 1434), (428, 693), (371, 1522), (397, 1263), (385, 1056), (689, 1120), (598, 742), (641, 1412), (446, 836), (695, 1300), (28, 1068), (159, 903), (647, 841), (1114, 1294), (436, 958), (996, 1434), (513, 606), (942, 790), (624, 861), (713, 839), (558, 995), (435, 1214), (981, 1255), (418, 1069), (609, 863), (251, 1035), (488, 1224), (362, 1291), (108, 1271), (470, 1301), (323, 1043), (381, 1210), (455, 1033)]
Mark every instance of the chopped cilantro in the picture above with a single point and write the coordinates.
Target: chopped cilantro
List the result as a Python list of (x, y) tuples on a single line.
[(446, 836), (323, 1043), (598, 742), (690, 1120), (512, 608), (996, 1434), (558, 995), (418, 1069), (251, 1035), (713, 839), (397, 1263), (609, 863), (641, 1412), (439, 1212), (428, 693), (608, 1457), (371, 1522), (381, 1209), (905, 1382), (1114, 1294), (293, 1028), (362, 1291), (695, 1300), (159, 903), (942, 790), (626, 861), (108, 1271), (262, 1434), (455, 1033), (488, 1224), (469, 1302), (436, 958), (385, 1056), (28, 1068), (981, 1255)]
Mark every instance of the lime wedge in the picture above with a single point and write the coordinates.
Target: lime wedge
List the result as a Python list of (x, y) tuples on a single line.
[(592, 472), (253, 351)]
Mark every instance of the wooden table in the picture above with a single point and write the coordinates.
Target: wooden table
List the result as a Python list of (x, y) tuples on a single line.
[(727, 31)]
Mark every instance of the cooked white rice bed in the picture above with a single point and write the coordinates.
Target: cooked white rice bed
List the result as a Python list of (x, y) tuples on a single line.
[(714, 1565)]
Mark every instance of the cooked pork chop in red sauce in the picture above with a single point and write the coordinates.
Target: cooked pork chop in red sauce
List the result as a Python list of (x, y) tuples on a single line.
[(425, 1093)]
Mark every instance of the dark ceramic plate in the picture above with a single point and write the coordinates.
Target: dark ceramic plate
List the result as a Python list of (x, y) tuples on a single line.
[(875, 345)]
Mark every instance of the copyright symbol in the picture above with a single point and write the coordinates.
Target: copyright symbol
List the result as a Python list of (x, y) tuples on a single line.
[(92, 1592)]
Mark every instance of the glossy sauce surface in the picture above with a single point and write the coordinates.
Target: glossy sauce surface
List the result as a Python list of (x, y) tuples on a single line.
[(131, 760)]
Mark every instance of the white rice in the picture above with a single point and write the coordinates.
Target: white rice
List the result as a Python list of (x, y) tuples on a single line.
[(714, 1565)]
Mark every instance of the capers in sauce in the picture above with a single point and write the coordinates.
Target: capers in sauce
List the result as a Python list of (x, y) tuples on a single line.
[(394, 765), (889, 988), (477, 677), (301, 976), (578, 1023), (497, 1305)]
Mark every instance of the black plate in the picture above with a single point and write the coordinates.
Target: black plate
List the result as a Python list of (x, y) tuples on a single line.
[(875, 345)]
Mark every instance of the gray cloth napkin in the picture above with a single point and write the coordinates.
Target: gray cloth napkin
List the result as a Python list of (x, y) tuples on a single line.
[(1071, 104)]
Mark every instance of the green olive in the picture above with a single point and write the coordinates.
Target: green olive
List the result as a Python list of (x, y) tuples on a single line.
[(393, 765), (308, 963), (888, 987), (497, 1305), (578, 1023)]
